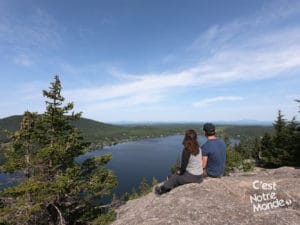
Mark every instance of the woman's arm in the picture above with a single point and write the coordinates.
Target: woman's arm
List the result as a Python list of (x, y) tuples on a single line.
[(185, 157)]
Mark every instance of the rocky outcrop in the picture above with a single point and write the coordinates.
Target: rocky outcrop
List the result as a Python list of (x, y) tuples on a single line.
[(265, 196)]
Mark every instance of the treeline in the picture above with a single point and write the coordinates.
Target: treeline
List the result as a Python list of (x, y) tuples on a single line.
[(281, 148), (277, 147)]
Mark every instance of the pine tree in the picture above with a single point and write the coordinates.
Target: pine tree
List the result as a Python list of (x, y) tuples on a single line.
[(280, 138), (298, 100), (267, 149), (144, 187), (23, 146), (256, 153), (56, 189), (133, 194), (281, 149), (154, 182)]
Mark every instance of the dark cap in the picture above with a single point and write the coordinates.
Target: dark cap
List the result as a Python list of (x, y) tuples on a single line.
[(209, 128)]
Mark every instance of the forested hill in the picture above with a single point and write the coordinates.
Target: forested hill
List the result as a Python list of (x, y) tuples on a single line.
[(11, 123), (89, 128), (102, 134)]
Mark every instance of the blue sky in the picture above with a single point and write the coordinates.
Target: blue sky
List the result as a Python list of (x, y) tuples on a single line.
[(138, 60)]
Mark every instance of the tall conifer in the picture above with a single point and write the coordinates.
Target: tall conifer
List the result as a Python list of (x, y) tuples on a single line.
[(55, 189)]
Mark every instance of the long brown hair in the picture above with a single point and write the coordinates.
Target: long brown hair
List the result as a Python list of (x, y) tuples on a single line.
[(190, 142)]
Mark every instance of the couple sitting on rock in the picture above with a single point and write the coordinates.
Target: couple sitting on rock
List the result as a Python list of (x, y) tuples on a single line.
[(196, 162)]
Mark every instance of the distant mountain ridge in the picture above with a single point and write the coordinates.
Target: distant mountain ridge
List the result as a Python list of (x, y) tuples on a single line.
[(219, 122)]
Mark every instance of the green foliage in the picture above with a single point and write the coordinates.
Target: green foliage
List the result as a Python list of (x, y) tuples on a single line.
[(175, 167), (134, 194), (226, 139), (126, 196), (248, 165), (282, 148), (244, 132), (144, 188), (55, 189), (154, 182), (233, 160), (105, 218)]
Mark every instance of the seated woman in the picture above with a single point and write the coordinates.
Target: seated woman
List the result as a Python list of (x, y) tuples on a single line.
[(191, 170)]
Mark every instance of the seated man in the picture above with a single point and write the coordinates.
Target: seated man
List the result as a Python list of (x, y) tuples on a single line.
[(213, 153)]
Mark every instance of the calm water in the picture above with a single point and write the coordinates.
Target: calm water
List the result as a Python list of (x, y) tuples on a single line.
[(132, 161)]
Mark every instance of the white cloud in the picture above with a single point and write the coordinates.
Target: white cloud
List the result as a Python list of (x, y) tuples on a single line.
[(234, 64), (205, 102), (242, 51)]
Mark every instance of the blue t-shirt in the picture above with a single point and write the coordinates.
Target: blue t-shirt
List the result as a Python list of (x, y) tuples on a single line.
[(215, 150)]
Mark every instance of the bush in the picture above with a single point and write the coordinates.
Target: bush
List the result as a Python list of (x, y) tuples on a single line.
[(233, 160), (106, 218), (248, 165)]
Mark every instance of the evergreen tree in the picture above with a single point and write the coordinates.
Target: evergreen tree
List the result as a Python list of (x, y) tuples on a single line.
[(233, 160), (134, 194), (297, 139), (154, 182), (280, 138), (267, 148), (126, 196), (256, 153), (245, 148), (56, 189), (281, 149), (298, 100), (144, 187)]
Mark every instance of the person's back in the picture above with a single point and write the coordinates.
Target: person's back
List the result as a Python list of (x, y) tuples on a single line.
[(215, 150), (214, 153)]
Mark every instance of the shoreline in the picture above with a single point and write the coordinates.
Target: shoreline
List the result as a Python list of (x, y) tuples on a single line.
[(100, 146)]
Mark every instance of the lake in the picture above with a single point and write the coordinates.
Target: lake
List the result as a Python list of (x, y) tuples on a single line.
[(147, 158)]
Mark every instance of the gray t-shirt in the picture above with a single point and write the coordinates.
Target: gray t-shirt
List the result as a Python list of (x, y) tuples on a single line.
[(195, 164), (190, 163)]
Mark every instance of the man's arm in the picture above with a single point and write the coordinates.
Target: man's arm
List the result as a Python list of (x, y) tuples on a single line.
[(204, 161)]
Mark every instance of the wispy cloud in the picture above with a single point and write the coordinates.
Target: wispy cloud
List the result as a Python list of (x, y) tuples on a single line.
[(238, 63), (208, 101), (32, 35), (244, 50)]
